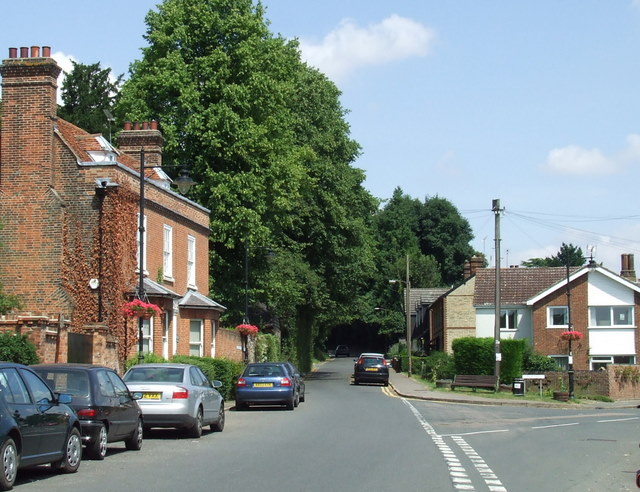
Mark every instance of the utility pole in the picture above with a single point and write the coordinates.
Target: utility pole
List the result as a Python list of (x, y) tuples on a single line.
[(408, 316), (496, 331)]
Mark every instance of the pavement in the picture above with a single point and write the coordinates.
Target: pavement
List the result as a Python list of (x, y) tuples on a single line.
[(411, 388)]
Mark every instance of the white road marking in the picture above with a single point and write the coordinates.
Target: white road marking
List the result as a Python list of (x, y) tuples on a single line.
[(555, 425), (617, 420), (457, 472), (474, 433)]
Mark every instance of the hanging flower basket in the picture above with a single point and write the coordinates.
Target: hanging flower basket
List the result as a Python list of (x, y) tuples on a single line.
[(571, 335), (141, 309), (245, 329)]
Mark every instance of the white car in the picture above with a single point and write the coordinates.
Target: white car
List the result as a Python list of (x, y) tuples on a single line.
[(176, 395)]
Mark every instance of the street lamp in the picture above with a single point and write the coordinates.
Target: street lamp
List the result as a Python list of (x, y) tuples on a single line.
[(407, 308), (184, 183)]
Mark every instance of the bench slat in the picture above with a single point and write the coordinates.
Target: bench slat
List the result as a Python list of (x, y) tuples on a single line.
[(474, 381)]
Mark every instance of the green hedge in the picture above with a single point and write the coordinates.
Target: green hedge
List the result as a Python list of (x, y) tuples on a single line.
[(267, 348), (17, 348), (512, 357), (474, 355)]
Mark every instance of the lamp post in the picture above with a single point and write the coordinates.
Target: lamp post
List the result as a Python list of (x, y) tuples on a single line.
[(407, 308), (184, 183)]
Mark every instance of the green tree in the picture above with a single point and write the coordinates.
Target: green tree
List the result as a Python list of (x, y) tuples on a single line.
[(8, 302), (272, 157), (568, 254), (87, 92)]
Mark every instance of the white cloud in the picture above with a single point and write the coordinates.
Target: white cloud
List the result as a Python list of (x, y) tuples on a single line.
[(64, 61), (580, 161), (349, 47)]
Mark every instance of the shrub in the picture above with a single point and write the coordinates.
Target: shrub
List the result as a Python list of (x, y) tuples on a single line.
[(224, 370), (267, 348), (17, 348), (474, 355), (149, 358), (437, 365), (533, 362), (512, 355)]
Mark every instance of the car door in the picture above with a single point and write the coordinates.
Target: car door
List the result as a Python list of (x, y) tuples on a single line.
[(22, 410), (52, 419), (107, 401), (127, 407), (205, 392)]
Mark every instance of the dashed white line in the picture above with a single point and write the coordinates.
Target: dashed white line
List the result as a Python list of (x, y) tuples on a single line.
[(555, 425)]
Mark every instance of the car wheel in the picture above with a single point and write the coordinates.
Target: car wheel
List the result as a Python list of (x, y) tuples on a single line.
[(296, 400), (196, 430), (219, 425), (302, 397), (134, 442), (10, 460), (291, 404), (356, 382), (97, 449), (72, 453)]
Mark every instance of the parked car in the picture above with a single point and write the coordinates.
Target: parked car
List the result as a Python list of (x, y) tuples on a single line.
[(267, 383), (342, 350), (106, 409), (36, 425), (371, 368), (299, 378), (178, 396)]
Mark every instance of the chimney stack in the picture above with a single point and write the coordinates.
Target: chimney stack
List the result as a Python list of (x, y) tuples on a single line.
[(627, 269), (143, 135)]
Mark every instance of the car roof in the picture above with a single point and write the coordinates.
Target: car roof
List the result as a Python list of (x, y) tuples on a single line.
[(371, 354), (74, 366), (173, 365)]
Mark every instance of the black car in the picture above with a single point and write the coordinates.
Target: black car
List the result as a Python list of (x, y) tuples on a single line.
[(36, 425), (371, 368), (342, 350), (106, 409)]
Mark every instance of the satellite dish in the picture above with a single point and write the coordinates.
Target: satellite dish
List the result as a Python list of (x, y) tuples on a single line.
[(94, 283)]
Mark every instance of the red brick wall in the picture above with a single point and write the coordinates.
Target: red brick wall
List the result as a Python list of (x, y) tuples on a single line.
[(227, 343), (547, 340)]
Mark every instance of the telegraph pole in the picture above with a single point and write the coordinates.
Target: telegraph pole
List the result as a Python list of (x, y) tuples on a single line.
[(496, 331)]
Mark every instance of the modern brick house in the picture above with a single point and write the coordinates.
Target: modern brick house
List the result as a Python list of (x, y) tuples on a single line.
[(69, 206), (603, 306)]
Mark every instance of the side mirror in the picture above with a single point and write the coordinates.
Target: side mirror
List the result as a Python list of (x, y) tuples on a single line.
[(65, 398), (137, 395), (216, 384)]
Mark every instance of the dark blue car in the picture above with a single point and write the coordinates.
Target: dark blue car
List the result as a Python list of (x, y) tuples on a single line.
[(267, 383), (36, 425)]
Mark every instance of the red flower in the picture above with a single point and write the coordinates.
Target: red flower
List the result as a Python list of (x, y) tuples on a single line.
[(245, 329), (141, 309), (571, 335)]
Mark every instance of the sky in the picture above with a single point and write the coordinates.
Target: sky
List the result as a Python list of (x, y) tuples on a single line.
[(535, 103)]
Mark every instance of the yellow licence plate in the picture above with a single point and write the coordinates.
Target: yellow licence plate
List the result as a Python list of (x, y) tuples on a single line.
[(371, 369), (151, 396), (263, 385)]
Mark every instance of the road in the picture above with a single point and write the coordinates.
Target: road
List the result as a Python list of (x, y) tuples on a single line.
[(364, 438)]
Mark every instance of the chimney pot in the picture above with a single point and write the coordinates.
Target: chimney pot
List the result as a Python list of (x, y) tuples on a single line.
[(154, 125), (136, 125), (145, 125), (127, 125), (24, 52), (13, 52), (46, 51), (35, 52)]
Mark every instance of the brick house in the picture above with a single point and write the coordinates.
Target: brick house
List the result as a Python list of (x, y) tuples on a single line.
[(604, 307), (69, 205)]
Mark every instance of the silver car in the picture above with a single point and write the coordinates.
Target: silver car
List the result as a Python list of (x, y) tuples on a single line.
[(176, 395)]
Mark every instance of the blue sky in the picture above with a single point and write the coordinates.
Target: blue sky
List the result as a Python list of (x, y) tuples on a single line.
[(532, 102)]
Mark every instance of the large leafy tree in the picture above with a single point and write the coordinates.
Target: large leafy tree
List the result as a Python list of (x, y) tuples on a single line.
[(568, 255), (89, 94), (270, 150)]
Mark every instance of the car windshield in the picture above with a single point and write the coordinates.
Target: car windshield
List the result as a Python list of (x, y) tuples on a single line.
[(149, 374), (264, 371), (71, 382)]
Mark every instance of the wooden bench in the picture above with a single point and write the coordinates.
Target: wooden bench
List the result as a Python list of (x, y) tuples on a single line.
[(474, 381)]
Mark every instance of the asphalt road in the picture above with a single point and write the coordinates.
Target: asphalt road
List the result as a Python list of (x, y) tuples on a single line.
[(364, 438)]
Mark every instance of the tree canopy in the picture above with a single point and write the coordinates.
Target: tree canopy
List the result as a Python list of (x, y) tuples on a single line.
[(88, 96), (568, 255)]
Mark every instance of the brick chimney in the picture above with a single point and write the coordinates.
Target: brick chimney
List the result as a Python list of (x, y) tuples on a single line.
[(471, 266), (627, 269), (147, 135), (29, 88)]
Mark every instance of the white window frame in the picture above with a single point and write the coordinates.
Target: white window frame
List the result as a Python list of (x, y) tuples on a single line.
[(147, 336), (144, 237), (191, 261), (214, 329), (598, 361), (593, 321), (195, 345), (167, 253), (550, 323), (506, 314)]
